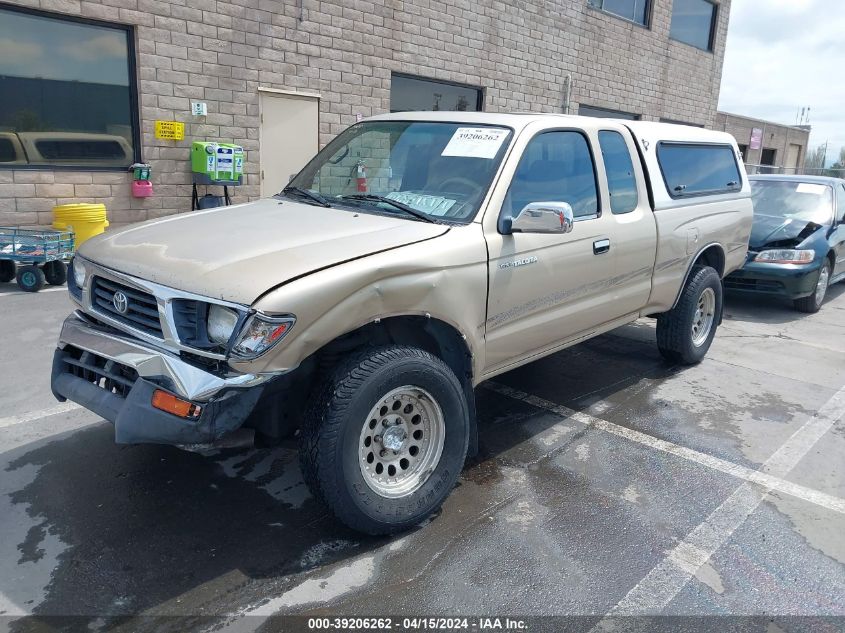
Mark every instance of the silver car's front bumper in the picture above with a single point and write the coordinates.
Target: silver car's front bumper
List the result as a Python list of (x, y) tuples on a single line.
[(116, 376)]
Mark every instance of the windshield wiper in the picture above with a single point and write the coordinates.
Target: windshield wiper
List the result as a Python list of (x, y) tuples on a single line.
[(316, 197), (371, 197)]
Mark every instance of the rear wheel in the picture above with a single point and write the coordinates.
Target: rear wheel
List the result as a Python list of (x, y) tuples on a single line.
[(814, 302), (7, 270), (385, 439), (30, 278), (685, 333), (55, 273)]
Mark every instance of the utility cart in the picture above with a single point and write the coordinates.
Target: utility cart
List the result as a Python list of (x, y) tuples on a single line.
[(34, 256)]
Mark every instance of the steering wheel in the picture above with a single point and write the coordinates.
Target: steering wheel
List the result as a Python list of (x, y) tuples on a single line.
[(468, 185)]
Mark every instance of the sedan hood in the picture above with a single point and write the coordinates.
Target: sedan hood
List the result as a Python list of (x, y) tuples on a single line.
[(240, 252), (777, 231)]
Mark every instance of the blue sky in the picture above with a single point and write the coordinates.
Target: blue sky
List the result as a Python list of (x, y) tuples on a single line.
[(784, 55)]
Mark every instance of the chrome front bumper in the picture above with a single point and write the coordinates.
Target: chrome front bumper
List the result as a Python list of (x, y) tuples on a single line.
[(184, 380), (116, 376)]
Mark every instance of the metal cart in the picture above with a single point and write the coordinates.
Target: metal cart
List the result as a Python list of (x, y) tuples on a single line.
[(34, 256)]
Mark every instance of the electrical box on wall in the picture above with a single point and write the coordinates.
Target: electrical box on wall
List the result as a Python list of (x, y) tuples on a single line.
[(218, 162)]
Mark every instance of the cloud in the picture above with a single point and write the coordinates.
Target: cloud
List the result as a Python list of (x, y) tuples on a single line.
[(786, 56), (14, 53), (97, 48)]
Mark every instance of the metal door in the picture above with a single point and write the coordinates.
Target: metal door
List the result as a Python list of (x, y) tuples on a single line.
[(288, 137)]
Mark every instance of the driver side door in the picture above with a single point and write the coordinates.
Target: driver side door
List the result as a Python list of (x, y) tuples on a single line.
[(546, 289)]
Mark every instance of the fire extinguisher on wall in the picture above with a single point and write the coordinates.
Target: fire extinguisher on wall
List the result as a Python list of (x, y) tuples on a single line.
[(361, 177)]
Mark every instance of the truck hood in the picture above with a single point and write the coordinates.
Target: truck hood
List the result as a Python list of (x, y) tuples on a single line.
[(780, 232), (238, 253)]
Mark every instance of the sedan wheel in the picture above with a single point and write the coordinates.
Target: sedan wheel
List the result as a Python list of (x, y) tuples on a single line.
[(814, 302)]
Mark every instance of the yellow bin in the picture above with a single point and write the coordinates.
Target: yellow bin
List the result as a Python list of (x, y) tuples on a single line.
[(85, 220)]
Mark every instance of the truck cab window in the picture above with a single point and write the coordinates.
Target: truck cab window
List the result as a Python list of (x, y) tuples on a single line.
[(555, 167), (621, 182)]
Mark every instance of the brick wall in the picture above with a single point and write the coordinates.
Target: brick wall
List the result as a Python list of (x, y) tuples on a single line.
[(222, 51)]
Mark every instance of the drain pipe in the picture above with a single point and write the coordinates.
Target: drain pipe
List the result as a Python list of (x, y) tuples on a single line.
[(567, 92)]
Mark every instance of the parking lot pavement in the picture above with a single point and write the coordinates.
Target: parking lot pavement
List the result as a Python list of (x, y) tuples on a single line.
[(609, 483)]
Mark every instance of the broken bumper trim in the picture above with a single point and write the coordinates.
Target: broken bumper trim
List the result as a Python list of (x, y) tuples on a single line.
[(104, 388)]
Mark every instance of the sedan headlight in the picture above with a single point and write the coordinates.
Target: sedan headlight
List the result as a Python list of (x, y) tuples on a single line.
[(78, 272), (785, 256), (221, 323), (260, 334)]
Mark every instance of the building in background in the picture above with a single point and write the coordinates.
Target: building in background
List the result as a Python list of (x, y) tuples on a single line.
[(85, 82), (767, 148)]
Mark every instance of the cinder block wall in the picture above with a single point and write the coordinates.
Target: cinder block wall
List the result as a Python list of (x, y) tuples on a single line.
[(222, 51)]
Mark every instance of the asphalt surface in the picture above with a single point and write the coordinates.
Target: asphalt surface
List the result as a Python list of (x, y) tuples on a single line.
[(609, 484)]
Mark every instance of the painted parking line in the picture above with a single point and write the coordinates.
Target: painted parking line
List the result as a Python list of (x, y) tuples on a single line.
[(769, 476), (660, 586), (36, 416), (21, 293)]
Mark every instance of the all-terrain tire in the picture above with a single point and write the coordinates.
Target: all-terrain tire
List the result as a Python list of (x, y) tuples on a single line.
[(330, 441), (676, 334)]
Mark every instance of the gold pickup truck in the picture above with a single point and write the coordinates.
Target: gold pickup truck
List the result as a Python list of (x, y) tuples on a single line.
[(417, 255)]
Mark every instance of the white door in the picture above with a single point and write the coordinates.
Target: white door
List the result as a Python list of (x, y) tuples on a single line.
[(288, 137)]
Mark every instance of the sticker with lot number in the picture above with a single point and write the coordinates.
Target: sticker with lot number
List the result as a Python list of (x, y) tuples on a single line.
[(475, 142)]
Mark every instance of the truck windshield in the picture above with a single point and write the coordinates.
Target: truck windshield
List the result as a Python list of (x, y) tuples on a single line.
[(810, 202), (442, 170)]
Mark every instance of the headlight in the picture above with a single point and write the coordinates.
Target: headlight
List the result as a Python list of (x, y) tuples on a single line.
[(260, 334), (78, 272), (221, 323), (785, 256)]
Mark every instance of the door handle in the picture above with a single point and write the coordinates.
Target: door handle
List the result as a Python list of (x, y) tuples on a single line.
[(601, 246)]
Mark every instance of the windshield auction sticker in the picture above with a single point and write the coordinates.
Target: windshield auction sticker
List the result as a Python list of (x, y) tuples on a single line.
[(475, 142), (805, 187)]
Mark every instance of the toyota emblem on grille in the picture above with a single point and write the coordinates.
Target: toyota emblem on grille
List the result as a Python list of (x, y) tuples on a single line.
[(120, 302)]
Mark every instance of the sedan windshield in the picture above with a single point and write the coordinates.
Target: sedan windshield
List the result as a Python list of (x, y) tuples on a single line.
[(809, 202), (441, 170)]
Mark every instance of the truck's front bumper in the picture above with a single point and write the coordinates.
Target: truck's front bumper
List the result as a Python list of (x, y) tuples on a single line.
[(115, 376)]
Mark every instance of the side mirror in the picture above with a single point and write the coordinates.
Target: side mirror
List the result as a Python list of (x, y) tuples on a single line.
[(544, 217)]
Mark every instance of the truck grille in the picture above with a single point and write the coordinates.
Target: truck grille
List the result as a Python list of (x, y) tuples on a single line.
[(141, 310), (107, 374)]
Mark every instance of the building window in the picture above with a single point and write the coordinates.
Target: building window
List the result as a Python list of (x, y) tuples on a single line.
[(68, 91), (694, 23), (621, 182), (633, 10), (697, 169), (743, 149), (767, 156), (605, 113), (412, 93)]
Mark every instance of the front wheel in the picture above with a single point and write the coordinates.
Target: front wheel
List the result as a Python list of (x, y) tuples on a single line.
[(30, 278), (385, 438), (814, 302), (685, 333)]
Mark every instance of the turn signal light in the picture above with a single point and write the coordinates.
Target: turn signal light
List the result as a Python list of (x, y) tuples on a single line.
[(171, 404)]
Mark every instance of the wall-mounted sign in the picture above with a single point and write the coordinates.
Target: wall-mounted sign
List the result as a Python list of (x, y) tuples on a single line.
[(199, 108), (756, 141), (170, 130)]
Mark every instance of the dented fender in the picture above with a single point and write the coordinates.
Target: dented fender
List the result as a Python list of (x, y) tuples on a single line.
[(443, 278)]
